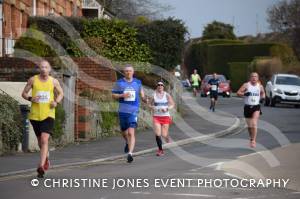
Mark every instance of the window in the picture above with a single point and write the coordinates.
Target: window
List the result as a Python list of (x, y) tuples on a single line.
[(285, 80)]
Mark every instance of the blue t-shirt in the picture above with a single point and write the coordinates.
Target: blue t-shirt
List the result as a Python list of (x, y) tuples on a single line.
[(214, 84), (132, 103)]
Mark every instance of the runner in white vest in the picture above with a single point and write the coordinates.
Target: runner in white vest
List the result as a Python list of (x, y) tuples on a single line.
[(161, 103), (254, 94)]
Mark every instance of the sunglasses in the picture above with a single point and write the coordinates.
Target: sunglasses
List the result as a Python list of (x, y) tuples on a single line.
[(160, 85)]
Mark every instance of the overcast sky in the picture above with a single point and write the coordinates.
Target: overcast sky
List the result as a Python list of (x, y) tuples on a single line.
[(247, 16)]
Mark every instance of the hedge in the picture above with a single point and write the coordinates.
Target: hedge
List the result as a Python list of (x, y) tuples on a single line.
[(196, 54), (238, 74), (220, 55)]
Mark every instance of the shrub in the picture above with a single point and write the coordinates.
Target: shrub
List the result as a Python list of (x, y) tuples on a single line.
[(60, 118), (165, 39), (118, 38), (10, 123)]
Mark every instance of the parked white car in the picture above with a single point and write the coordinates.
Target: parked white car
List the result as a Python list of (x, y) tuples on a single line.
[(283, 88)]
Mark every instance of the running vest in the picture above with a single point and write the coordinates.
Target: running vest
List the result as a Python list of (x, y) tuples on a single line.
[(45, 90), (195, 79), (254, 97), (160, 104)]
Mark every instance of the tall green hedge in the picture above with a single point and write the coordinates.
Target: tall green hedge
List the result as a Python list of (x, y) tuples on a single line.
[(196, 55), (220, 55), (238, 74)]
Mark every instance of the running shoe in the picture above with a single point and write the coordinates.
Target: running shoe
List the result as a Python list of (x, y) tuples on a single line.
[(159, 152), (40, 172), (47, 164), (126, 148), (129, 158), (167, 139), (252, 144)]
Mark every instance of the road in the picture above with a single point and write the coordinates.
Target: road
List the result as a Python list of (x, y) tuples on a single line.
[(185, 162)]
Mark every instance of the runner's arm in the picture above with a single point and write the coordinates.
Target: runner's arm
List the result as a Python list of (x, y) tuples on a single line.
[(171, 103), (117, 92), (58, 91), (199, 78), (117, 96), (27, 88), (143, 96), (242, 90), (262, 92)]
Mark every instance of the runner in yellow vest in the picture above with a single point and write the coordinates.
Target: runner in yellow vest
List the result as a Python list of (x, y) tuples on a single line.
[(42, 113), (195, 80)]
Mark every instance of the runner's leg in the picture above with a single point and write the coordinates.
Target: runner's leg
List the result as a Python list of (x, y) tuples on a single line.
[(211, 102), (254, 119), (125, 136), (157, 131), (165, 131), (44, 138), (131, 139)]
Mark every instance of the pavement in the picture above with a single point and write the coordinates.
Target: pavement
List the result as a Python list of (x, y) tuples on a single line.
[(196, 124)]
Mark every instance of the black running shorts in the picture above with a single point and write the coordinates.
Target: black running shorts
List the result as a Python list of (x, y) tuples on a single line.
[(214, 94), (44, 126), (249, 110)]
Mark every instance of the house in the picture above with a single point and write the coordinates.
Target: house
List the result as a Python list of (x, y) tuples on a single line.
[(96, 9), (14, 15)]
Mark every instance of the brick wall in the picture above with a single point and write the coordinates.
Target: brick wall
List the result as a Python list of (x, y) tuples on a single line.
[(91, 76), (16, 13)]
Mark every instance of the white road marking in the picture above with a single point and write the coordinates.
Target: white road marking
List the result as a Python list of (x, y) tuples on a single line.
[(234, 176), (191, 174), (143, 193), (192, 195)]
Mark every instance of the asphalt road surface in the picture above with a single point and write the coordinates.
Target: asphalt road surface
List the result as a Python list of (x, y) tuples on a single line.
[(180, 173)]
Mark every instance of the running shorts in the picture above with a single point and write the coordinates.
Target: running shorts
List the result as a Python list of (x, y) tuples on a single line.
[(249, 110), (162, 119), (214, 95), (44, 126), (127, 121)]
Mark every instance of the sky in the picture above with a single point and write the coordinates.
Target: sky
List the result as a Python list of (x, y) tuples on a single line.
[(249, 17)]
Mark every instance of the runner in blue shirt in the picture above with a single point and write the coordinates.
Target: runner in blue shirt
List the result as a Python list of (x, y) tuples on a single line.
[(214, 86), (128, 91)]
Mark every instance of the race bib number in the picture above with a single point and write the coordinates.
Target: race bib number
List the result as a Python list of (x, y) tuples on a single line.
[(131, 96), (44, 96), (214, 87), (253, 100)]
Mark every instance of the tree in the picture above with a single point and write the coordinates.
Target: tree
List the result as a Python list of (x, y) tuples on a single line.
[(284, 17), (218, 30), (130, 9), (165, 38)]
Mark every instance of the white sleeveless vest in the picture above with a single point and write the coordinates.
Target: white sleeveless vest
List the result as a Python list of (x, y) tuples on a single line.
[(254, 97), (160, 104)]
